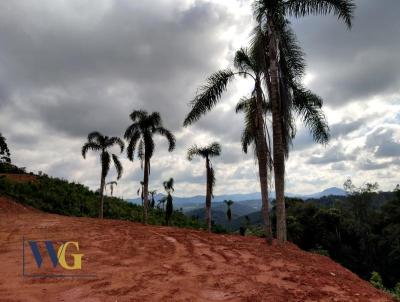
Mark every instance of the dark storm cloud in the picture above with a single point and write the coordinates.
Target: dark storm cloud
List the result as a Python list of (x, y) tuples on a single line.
[(356, 64), (82, 74), (71, 67), (346, 127)]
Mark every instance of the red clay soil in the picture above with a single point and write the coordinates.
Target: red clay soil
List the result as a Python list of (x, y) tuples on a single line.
[(19, 177), (132, 262)]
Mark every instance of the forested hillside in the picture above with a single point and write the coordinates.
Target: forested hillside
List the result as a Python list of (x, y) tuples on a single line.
[(59, 196)]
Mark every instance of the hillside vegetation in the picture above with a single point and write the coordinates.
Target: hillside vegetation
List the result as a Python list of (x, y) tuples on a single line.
[(59, 196)]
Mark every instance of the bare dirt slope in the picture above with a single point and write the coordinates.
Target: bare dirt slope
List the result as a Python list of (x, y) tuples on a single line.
[(133, 262)]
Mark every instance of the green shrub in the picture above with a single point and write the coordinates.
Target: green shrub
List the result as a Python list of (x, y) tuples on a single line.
[(376, 280), (6, 167)]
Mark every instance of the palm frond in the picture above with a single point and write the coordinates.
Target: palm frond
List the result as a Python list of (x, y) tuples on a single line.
[(116, 141), (209, 95), (247, 139), (291, 56), (214, 149), (192, 152), (118, 166), (155, 119), (90, 146), (170, 137), (131, 130), (309, 105), (242, 60), (133, 139), (258, 47), (242, 105), (95, 136), (343, 9), (169, 185), (138, 115)]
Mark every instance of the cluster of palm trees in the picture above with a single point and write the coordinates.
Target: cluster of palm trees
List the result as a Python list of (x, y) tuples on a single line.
[(274, 61), (139, 136)]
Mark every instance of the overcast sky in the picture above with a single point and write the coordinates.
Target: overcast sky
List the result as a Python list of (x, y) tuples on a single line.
[(69, 67)]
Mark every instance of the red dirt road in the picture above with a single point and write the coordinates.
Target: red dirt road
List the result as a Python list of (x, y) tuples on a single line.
[(133, 262)]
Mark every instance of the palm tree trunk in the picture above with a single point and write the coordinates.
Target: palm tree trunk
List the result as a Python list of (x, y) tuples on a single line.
[(208, 196), (278, 146), (102, 182), (145, 189), (262, 156)]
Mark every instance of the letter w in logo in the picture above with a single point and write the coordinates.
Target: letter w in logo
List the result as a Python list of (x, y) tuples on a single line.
[(50, 251)]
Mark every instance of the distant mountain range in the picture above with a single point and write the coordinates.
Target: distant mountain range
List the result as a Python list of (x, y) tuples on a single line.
[(244, 204), (251, 200)]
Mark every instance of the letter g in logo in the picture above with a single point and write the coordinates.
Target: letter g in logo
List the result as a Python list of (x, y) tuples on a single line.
[(77, 257)]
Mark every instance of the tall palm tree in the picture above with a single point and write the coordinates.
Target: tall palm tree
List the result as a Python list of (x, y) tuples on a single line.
[(140, 136), (169, 188), (304, 102), (282, 73), (111, 184), (98, 142), (248, 64), (207, 153)]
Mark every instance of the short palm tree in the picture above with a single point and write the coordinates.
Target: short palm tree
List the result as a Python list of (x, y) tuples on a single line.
[(207, 153), (111, 184), (282, 73), (140, 136), (169, 188), (152, 202), (229, 203), (98, 142)]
